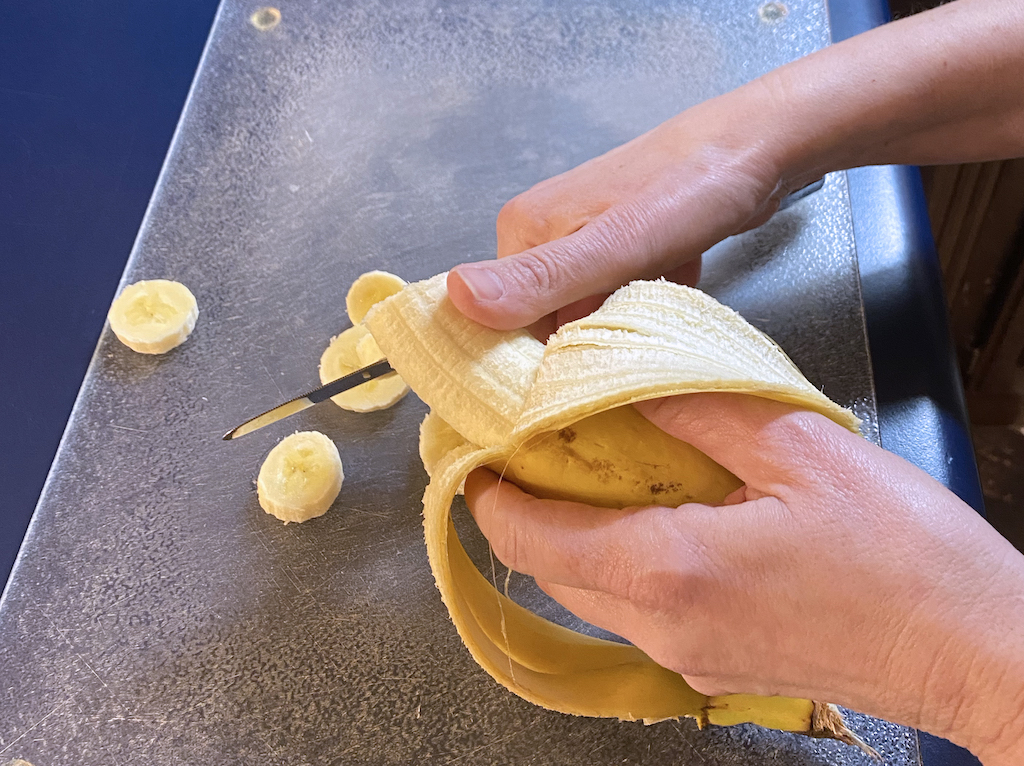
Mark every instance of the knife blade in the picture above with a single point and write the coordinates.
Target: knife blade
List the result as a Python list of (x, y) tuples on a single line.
[(317, 395)]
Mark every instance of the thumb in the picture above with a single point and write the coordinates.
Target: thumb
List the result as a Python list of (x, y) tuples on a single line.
[(648, 237), (519, 289)]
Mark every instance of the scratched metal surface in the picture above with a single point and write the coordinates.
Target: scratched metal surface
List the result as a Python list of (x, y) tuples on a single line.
[(156, 614)]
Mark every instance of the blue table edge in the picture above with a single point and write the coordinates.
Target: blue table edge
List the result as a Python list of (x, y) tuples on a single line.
[(900, 272)]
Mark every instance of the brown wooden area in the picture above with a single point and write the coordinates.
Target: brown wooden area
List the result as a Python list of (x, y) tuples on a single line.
[(977, 214)]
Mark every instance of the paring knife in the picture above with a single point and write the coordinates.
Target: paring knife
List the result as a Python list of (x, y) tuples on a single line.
[(317, 395)]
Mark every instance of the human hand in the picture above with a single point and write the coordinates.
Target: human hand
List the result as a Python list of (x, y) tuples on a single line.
[(942, 86), (646, 209), (838, 572)]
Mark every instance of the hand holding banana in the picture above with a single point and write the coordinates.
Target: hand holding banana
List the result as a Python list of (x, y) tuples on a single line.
[(851, 575), (839, 572)]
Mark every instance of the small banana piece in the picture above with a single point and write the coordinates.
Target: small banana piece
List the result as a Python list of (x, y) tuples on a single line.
[(370, 288), (301, 477), (354, 349), (554, 418), (153, 316), (367, 350), (437, 439)]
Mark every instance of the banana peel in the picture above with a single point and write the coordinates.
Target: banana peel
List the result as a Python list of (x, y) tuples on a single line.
[(554, 418)]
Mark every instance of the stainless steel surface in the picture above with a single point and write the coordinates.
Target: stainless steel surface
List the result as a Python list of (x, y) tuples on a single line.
[(156, 614), (316, 396)]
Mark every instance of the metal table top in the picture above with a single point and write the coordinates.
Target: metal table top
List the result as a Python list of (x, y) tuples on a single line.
[(156, 614)]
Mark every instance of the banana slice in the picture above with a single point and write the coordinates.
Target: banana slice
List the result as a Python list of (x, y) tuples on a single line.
[(370, 288), (301, 477), (153, 316), (353, 349), (368, 351), (437, 439)]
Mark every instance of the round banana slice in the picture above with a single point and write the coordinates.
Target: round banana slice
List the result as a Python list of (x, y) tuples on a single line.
[(437, 439), (353, 349), (153, 316), (301, 477), (370, 288)]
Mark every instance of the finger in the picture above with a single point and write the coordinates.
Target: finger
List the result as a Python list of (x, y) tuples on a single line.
[(551, 209), (709, 686), (603, 610), (766, 444), (688, 274), (662, 643), (514, 291), (564, 542), (580, 309), (673, 222)]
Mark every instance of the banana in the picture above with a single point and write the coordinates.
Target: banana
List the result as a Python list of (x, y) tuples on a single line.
[(355, 348), (553, 419), (348, 352), (153, 316), (301, 477), (369, 289), (595, 461)]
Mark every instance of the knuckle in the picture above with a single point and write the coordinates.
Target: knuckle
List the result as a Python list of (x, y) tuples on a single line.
[(510, 216), (740, 178), (538, 272), (808, 443), (677, 578), (691, 662), (610, 249), (526, 220), (626, 228), (680, 654)]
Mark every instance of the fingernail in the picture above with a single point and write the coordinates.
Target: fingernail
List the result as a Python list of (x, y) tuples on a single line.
[(483, 283)]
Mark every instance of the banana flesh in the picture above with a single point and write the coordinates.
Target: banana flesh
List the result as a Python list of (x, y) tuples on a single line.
[(153, 316), (301, 477), (351, 350), (437, 439), (551, 416), (355, 348), (595, 461), (368, 289)]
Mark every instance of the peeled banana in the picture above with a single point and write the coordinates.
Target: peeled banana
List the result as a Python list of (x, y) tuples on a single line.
[(301, 477), (554, 419), (353, 349), (153, 316)]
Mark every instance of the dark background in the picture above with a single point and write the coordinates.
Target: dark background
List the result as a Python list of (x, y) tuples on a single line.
[(90, 93)]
